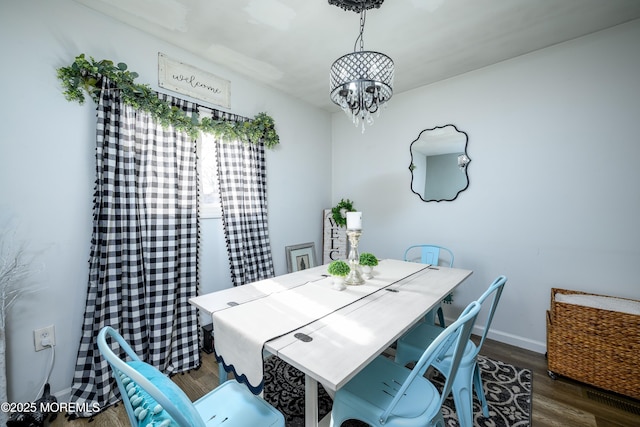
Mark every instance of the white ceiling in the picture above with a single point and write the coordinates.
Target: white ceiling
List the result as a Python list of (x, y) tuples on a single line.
[(291, 44)]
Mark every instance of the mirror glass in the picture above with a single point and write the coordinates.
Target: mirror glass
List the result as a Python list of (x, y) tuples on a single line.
[(439, 163)]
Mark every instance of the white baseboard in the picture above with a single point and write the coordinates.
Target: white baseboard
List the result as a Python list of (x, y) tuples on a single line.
[(503, 337), (506, 338)]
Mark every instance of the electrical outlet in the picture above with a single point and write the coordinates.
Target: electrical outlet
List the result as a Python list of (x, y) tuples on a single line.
[(44, 338)]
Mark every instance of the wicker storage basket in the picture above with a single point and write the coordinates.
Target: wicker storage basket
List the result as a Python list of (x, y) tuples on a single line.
[(594, 346)]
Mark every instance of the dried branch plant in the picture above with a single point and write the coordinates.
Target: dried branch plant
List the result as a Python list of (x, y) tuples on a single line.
[(14, 270)]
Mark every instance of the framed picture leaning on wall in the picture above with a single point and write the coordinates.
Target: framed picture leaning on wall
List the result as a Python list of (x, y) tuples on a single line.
[(300, 257)]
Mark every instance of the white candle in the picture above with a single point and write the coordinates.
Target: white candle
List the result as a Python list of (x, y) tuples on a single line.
[(354, 220)]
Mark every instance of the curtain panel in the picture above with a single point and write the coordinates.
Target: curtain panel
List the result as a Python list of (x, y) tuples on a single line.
[(143, 264), (243, 196)]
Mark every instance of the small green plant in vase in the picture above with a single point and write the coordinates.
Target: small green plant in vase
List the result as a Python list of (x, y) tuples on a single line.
[(367, 262), (339, 270)]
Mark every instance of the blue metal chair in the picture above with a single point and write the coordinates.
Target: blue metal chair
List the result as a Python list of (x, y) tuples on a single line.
[(151, 398), (411, 346), (430, 254), (387, 394)]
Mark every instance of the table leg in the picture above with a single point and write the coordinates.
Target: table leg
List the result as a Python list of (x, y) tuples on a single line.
[(310, 402)]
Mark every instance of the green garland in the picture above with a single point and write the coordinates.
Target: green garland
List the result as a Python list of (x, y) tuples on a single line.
[(336, 211), (84, 75)]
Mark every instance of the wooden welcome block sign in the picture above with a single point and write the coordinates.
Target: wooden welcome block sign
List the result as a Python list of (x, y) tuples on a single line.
[(334, 239)]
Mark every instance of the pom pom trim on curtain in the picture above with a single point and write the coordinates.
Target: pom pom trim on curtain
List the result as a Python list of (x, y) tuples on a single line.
[(143, 265)]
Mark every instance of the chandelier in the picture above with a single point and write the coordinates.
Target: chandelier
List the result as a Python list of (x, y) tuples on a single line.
[(361, 82)]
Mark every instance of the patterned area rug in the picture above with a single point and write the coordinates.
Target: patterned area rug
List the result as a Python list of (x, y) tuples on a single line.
[(507, 389)]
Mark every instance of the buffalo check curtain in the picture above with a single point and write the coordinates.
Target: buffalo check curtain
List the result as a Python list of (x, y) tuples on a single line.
[(143, 264), (242, 184), (243, 196)]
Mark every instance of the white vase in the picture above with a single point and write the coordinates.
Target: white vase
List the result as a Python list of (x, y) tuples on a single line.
[(367, 271), (338, 283)]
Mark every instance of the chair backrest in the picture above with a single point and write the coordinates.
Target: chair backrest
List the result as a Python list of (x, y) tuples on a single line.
[(150, 397), (493, 292), (455, 337), (429, 254)]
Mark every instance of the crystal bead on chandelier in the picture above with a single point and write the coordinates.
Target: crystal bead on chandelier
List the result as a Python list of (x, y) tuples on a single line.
[(361, 82)]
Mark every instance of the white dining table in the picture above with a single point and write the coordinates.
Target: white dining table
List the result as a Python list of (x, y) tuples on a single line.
[(327, 334)]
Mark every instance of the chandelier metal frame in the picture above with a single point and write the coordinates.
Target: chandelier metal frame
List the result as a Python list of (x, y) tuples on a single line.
[(357, 5), (362, 81)]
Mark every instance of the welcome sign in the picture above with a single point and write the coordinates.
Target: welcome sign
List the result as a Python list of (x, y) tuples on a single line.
[(193, 82), (334, 239)]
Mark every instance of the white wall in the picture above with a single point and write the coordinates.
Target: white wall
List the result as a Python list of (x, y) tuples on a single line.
[(553, 199), (47, 170)]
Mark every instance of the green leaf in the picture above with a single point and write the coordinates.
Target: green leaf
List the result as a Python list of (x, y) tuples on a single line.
[(85, 75)]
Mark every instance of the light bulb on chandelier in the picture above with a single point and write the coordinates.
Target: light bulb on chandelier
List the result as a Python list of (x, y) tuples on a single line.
[(361, 82)]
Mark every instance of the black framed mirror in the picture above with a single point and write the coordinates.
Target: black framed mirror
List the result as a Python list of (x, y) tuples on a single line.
[(439, 163)]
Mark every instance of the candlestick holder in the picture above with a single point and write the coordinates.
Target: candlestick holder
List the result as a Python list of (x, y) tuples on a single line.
[(354, 277)]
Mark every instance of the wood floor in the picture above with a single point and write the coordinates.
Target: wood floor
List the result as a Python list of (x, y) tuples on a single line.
[(559, 402)]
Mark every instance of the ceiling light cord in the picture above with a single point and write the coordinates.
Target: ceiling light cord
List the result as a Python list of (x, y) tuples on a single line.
[(363, 18)]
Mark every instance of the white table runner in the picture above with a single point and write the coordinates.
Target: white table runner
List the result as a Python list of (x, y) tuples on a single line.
[(241, 331), (236, 295)]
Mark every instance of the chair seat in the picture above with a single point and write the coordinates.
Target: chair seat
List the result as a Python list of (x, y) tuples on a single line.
[(385, 394), (373, 388), (232, 404), (152, 399)]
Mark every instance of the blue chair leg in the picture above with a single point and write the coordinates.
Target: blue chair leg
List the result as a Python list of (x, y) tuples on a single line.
[(463, 395), (441, 316), (477, 383), (430, 317), (438, 421)]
